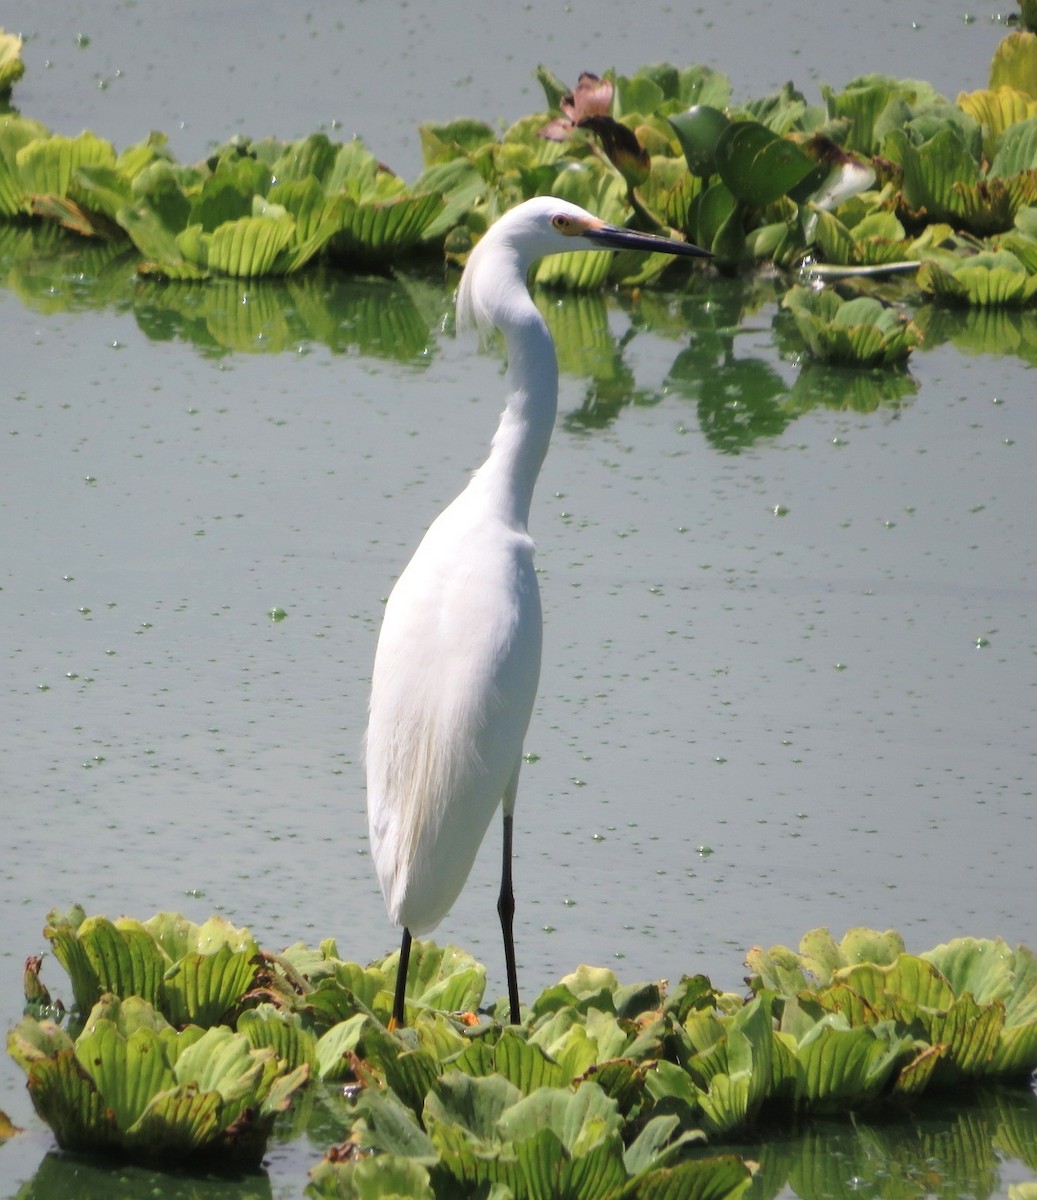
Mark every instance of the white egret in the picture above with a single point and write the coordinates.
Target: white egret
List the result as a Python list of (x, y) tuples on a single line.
[(458, 658)]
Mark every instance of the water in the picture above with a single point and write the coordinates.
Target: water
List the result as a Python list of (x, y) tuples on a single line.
[(788, 613)]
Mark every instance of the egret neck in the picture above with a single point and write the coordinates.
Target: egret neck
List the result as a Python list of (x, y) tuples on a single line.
[(507, 477)]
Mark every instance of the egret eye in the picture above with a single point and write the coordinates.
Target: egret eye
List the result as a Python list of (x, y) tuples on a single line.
[(561, 222)]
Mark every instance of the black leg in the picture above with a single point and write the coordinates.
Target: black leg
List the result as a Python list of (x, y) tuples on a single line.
[(506, 911), (397, 1021)]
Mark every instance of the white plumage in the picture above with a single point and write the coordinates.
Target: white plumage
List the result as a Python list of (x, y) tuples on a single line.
[(458, 659)]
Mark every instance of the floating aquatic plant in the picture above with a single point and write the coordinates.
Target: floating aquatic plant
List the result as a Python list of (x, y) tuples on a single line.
[(990, 279), (861, 332), (661, 149), (269, 208), (133, 1084), (11, 66), (190, 973), (39, 170), (971, 1003), (604, 1090)]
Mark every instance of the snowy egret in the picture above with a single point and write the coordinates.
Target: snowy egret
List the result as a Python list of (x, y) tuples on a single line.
[(458, 658)]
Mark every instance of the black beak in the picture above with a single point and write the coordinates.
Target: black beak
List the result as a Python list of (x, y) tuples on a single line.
[(611, 237)]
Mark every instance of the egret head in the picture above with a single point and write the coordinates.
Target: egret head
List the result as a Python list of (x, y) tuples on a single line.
[(530, 231)]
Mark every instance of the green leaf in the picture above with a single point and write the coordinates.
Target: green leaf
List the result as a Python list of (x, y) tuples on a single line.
[(699, 130), (458, 139), (249, 246), (997, 109), (132, 1083), (987, 280), (477, 1104), (284, 1033), (726, 1178), (522, 1063), (127, 1071), (381, 231), (377, 1178), (863, 333), (335, 1047), (580, 1119), (11, 66), (45, 166), (202, 987), (1017, 151), (839, 1066), (655, 1144), (758, 165), (392, 1127), (1014, 63)]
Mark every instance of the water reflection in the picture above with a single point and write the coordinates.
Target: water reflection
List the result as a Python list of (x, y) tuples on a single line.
[(958, 1146), (65, 1175), (972, 1144), (982, 330), (740, 396)]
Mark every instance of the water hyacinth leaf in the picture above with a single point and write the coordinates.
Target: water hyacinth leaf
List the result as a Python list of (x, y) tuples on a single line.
[(247, 247), (127, 1071), (1014, 63), (522, 1063), (699, 129), (101, 956), (710, 212), (580, 1120), (837, 1064), (391, 1127), (46, 165), (267, 1025), (178, 936), (723, 1178), (1017, 150), (910, 979), (865, 333), (475, 1104), (35, 1041), (758, 165), (11, 66), (778, 969), (997, 109), (457, 139), (66, 1098), (200, 988), (989, 280), (379, 231), (656, 1144), (335, 1047), (378, 1178)]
